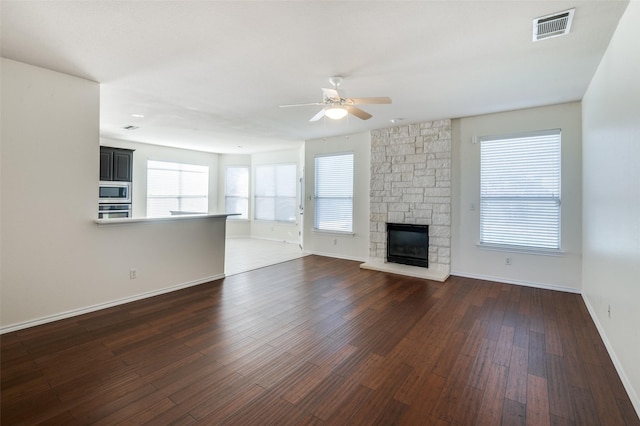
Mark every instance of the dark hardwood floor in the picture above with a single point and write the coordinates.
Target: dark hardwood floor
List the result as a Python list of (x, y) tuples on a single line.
[(319, 341)]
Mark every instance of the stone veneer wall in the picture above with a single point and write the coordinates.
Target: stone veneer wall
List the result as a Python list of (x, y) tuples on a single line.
[(411, 183)]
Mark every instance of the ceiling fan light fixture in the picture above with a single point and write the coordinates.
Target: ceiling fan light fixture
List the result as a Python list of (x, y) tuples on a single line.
[(335, 113), (336, 106)]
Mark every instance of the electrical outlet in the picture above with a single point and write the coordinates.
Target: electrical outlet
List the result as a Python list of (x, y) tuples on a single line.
[(133, 274), (507, 261), (335, 241)]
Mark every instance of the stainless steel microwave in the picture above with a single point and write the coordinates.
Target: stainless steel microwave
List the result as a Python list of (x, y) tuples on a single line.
[(114, 211), (114, 192)]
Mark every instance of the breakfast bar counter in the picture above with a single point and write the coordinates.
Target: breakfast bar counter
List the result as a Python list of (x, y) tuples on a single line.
[(129, 220)]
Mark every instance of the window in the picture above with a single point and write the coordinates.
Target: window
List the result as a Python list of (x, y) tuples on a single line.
[(334, 193), (520, 191), (275, 196), (236, 192), (175, 187)]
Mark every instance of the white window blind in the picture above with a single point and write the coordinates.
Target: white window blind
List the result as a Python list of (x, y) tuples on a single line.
[(176, 187), (520, 190), (275, 193), (334, 193), (236, 192)]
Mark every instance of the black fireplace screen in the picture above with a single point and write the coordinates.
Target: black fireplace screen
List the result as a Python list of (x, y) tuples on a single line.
[(408, 244)]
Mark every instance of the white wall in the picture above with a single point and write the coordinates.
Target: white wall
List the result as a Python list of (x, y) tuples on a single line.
[(467, 259), (55, 260), (611, 232), (144, 152), (345, 246)]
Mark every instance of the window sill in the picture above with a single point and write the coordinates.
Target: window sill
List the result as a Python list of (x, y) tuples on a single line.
[(324, 231), (519, 249), (278, 222)]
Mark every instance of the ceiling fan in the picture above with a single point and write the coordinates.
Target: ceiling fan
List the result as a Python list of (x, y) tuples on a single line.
[(336, 106)]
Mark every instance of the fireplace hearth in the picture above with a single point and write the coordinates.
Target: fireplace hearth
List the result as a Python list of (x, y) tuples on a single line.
[(408, 244)]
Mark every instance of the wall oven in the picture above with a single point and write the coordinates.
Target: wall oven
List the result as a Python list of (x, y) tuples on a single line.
[(114, 211), (114, 192)]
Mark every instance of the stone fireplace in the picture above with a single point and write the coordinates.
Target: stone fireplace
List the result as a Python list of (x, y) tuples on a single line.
[(411, 184)]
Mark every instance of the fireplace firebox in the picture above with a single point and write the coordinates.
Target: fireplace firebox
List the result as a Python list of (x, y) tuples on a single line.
[(408, 244)]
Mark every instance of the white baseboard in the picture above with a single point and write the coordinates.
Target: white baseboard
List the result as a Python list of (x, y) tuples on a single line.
[(635, 400), (517, 282), (277, 240), (93, 308)]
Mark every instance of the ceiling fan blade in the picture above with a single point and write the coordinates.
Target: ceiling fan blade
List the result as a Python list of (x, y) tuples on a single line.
[(297, 105), (363, 115), (318, 116), (368, 101), (331, 93)]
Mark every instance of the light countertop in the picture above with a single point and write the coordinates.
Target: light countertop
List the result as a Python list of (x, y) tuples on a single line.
[(128, 220)]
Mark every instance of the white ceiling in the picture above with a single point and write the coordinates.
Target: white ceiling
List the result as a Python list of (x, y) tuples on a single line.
[(210, 75)]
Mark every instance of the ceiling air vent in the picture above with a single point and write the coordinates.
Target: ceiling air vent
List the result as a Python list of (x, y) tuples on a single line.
[(552, 25)]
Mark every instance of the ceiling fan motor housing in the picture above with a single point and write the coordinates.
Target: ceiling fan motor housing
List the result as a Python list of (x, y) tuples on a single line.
[(336, 81)]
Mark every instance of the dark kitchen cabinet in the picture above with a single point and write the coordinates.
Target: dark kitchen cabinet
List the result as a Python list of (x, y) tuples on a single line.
[(116, 164), (106, 164)]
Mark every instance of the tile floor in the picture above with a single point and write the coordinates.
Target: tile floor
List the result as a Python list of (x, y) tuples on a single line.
[(245, 254)]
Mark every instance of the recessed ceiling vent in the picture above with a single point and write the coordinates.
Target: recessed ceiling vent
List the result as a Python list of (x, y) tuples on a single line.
[(552, 25)]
